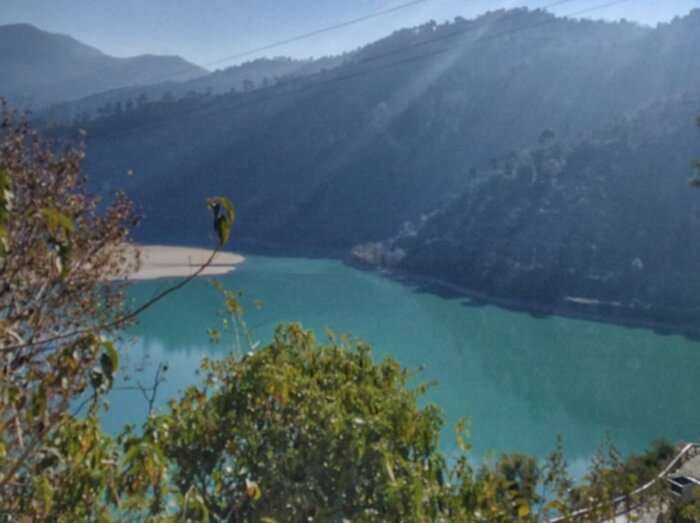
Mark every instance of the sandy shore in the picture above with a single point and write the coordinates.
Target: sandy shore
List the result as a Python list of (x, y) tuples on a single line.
[(163, 261)]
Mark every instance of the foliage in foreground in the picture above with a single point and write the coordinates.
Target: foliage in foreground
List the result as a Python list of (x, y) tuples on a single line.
[(56, 250), (296, 431), (299, 431), (302, 431)]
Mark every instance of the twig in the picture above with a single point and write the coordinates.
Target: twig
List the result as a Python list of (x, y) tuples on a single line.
[(119, 321), (149, 393), (113, 324)]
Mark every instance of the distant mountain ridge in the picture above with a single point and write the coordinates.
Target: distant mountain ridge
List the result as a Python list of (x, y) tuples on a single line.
[(247, 76), (41, 68), (418, 124), (343, 162)]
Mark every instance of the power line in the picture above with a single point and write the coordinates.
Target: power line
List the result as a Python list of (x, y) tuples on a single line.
[(241, 105), (247, 103), (317, 32), (207, 110), (303, 36), (272, 45), (448, 36)]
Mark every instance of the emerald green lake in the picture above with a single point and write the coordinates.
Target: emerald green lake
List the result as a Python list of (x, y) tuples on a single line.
[(521, 380)]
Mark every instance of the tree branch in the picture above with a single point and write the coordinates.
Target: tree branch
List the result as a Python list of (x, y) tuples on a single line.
[(119, 321)]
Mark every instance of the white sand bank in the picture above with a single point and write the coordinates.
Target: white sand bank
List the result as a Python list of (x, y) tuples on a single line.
[(163, 261)]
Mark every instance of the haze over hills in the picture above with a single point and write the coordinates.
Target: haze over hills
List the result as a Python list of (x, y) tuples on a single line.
[(245, 77), (41, 68), (424, 121)]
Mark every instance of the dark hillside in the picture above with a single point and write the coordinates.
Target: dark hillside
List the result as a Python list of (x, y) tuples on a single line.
[(607, 223), (426, 116), (248, 76)]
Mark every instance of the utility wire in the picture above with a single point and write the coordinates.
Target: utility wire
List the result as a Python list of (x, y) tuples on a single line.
[(317, 32), (265, 47), (280, 87), (340, 25), (203, 111)]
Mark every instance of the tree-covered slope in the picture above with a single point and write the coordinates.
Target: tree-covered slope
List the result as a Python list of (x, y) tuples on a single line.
[(345, 156), (431, 115), (41, 68), (608, 223), (245, 77)]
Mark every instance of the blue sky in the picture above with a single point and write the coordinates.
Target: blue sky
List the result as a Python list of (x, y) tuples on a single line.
[(204, 31)]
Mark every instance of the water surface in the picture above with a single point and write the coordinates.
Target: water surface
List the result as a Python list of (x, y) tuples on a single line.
[(521, 380)]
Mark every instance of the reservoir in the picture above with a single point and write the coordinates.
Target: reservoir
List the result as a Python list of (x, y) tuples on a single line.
[(519, 379)]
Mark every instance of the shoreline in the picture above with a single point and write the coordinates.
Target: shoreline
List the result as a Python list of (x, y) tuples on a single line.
[(662, 322), (171, 261), (572, 308)]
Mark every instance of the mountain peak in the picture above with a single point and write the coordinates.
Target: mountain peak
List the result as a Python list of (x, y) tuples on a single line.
[(41, 68), (28, 43), (20, 28)]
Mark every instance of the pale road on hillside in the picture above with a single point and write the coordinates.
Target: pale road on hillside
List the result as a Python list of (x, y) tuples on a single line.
[(690, 468)]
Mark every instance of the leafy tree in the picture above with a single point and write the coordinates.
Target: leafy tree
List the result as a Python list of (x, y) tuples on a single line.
[(62, 283), (57, 252), (685, 510), (300, 431)]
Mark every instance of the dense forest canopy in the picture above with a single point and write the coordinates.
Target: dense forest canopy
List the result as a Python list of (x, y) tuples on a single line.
[(246, 77)]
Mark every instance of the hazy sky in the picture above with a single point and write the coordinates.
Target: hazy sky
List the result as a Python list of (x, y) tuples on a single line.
[(205, 31)]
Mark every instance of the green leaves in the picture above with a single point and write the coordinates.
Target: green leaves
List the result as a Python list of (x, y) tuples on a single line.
[(224, 217), (55, 466), (523, 508), (60, 228), (39, 401), (252, 489), (109, 360), (44, 500), (6, 197), (297, 429), (59, 224), (102, 375)]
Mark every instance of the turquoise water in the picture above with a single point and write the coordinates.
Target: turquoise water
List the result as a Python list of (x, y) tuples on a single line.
[(520, 380)]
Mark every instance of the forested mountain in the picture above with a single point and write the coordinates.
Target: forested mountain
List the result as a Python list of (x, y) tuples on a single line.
[(606, 224), (41, 68), (328, 161), (246, 77)]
